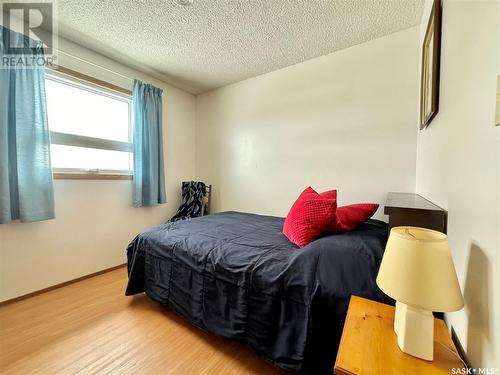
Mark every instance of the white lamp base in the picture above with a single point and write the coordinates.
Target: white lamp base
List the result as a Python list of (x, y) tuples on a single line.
[(415, 330)]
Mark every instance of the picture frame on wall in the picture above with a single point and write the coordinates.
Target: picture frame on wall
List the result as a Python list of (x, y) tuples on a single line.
[(431, 59)]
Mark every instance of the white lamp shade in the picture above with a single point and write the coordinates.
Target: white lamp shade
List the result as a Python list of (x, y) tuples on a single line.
[(417, 269)]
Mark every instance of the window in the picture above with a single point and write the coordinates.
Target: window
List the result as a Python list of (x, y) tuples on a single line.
[(90, 127)]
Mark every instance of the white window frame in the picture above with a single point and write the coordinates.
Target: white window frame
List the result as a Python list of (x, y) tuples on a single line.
[(67, 139)]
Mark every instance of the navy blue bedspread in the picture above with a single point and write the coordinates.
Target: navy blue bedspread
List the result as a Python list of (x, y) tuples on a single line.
[(236, 275)]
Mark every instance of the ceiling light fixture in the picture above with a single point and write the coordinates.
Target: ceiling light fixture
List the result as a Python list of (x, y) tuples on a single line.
[(184, 3)]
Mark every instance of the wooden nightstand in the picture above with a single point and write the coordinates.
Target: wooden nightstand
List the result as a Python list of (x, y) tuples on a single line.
[(369, 345)]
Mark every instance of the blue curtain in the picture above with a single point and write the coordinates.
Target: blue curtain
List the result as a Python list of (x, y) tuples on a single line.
[(149, 179), (26, 186)]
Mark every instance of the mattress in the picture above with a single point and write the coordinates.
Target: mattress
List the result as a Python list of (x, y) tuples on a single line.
[(236, 275)]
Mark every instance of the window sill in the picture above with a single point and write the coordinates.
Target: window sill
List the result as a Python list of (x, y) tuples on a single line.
[(91, 176)]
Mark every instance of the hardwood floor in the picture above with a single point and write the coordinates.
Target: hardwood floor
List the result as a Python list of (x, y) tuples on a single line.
[(90, 327)]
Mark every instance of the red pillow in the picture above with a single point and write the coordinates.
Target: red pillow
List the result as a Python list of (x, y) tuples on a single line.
[(330, 194), (351, 216), (309, 216)]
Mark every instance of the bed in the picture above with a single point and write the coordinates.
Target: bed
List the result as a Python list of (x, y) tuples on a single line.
[(236, 275)]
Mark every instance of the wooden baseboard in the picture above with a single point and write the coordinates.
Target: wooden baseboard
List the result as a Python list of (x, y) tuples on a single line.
[(57, 286)]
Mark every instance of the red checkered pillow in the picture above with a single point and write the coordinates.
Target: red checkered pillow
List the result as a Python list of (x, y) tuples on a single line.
[(309, 216), (351, 216), (330, 194)]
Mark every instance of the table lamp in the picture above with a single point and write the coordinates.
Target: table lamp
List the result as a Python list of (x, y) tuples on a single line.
[(418, 272)]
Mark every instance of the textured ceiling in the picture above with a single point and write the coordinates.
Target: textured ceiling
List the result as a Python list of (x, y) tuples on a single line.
[(217, 42)]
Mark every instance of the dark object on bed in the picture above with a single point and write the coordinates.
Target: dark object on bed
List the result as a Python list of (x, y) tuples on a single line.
[(193, 200), (238, 276)]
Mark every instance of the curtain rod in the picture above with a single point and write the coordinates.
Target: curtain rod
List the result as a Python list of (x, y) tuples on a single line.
[(94, 64)]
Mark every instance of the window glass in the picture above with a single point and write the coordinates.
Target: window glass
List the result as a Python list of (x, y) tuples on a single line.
[(89, 158), (83, 110)]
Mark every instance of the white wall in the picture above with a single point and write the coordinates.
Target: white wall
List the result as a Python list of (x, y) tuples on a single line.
[(458, 159), (344, 120), (95, 219)]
